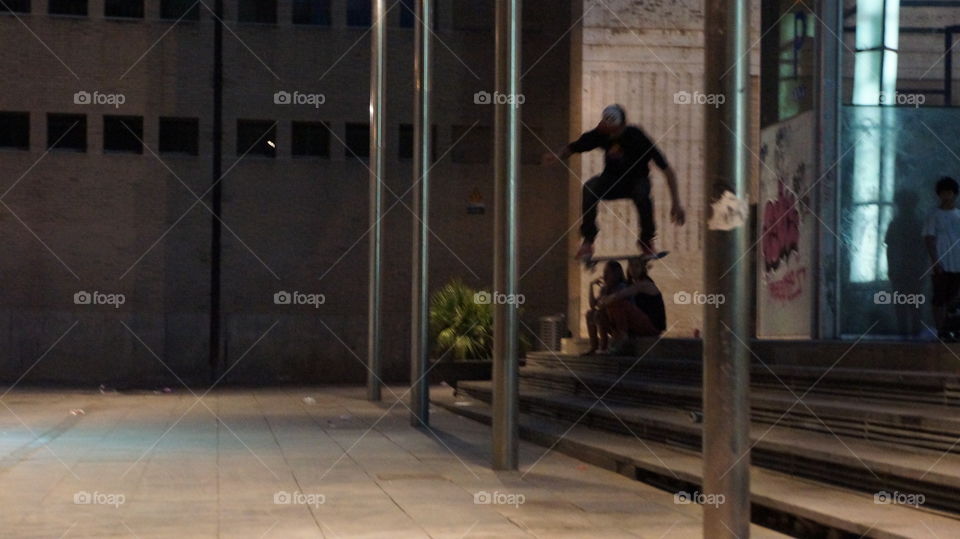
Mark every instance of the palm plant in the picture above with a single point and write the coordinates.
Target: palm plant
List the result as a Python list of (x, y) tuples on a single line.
[(460, 326)]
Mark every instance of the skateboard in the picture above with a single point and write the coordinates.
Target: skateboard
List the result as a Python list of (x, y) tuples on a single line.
[(591, 263)]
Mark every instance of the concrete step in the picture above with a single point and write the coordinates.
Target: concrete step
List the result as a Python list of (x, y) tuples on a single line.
[(856, 464), (874, 417), (791, 505), (930, 357), (942, 388)]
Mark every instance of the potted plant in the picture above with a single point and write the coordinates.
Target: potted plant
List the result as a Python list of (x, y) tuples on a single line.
[(461, 334)]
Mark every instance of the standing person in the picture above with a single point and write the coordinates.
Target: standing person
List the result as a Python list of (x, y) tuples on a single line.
[(905, 269), (941, 233), (598, 321), (626, 175)]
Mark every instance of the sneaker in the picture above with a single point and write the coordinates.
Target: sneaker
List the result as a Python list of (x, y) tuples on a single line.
[(585, 252)]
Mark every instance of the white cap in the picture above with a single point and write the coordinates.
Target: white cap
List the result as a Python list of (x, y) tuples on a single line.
[(614, 115)]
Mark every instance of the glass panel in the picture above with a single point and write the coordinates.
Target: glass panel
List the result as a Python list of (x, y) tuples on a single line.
[(891, 162)]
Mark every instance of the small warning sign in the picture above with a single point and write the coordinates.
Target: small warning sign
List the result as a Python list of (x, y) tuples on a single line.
[(475, 205)]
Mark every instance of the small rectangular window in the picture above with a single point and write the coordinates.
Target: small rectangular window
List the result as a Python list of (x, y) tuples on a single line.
[(405, 142), (67, 7), (128, 9), (315, 12), (15, 130), (189, 10), (15, 6), (123, 134), (359, 13), (67, 132), (357, 141), (262, 11), (256, 137), (179, 135), (310, 139), (408, 13)]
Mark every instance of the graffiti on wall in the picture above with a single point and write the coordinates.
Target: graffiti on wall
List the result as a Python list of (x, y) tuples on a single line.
[(785, 295)]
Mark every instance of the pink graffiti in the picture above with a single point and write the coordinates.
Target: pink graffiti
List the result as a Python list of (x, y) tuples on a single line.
[(790, 287), (781, 229)]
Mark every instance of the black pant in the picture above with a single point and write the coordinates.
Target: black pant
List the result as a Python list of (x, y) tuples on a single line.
[(602, 188)]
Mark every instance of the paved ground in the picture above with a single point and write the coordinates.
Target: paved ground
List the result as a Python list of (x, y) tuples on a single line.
[(310, 462)]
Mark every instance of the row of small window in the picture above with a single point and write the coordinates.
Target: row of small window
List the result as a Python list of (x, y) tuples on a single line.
[(313, 12), (68, 132)]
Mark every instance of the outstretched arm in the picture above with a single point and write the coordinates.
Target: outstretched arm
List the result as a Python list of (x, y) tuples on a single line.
[(560, 155), (677, 213), (586, 142)]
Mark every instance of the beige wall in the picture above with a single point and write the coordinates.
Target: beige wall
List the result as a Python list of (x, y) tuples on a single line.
[(640, 54)]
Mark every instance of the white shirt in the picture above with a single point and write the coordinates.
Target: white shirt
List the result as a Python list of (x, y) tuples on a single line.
[(945, 226)]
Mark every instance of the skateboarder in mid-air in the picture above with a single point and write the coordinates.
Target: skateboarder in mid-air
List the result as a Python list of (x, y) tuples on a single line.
[(626, 174)]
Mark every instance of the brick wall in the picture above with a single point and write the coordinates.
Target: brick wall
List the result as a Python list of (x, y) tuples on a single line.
[(126, 224)]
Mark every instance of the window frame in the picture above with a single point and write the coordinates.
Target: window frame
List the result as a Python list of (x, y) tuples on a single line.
[(5, 117), (166, 121), (80, 125), (136, 137)]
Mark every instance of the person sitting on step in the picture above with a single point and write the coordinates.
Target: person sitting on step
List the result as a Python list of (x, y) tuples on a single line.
[(598, 321), (636, 310)]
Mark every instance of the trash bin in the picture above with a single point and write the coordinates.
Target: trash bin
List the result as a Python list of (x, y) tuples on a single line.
[(552, 329)]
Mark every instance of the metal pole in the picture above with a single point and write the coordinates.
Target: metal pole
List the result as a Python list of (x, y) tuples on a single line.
[(422, 149), (948, 69), (830, 55), (217, 197), (378, 60), (726, 374), (507, 176)]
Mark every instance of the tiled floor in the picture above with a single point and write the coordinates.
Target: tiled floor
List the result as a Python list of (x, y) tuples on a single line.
[(310, 462)]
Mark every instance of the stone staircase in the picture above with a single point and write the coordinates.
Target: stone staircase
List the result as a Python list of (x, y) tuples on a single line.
[(866, 430)]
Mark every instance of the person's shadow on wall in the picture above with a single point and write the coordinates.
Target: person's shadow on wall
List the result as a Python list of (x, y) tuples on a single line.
[(907, 261)]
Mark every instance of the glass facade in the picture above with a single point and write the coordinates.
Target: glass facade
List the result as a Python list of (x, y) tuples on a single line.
[(892, 157)]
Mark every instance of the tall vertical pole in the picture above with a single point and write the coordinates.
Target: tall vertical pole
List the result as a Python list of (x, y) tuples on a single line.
[(726, 374), (948, 67), (828, 103), (217, 196), (378, 60), (422, 149), (507, 176)]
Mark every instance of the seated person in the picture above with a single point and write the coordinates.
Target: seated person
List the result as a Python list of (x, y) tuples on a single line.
[(598, 322), (636, 310)]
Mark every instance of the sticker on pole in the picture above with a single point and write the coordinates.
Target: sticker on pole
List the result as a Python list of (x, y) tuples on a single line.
[(728, 212)]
